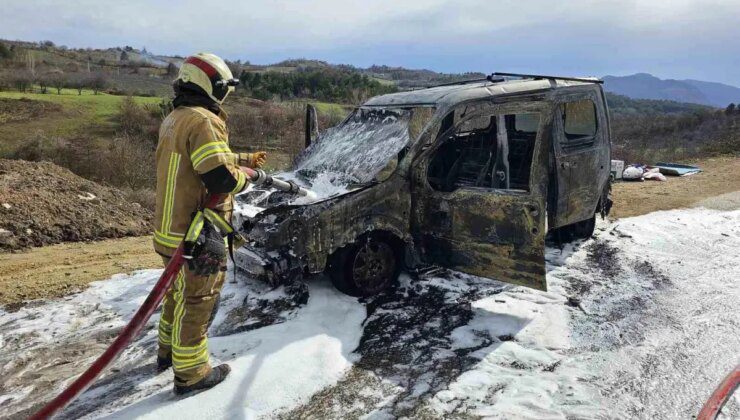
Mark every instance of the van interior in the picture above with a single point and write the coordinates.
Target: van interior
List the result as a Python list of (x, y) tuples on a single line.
[(476, 155)]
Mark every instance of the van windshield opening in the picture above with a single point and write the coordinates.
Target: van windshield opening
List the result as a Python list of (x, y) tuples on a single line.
[(355, 151)]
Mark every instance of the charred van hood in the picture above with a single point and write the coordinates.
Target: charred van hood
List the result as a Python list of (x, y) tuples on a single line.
[(280, 223), (257, 203)]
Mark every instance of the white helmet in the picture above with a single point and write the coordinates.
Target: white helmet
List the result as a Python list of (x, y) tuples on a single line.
[(210, 73)]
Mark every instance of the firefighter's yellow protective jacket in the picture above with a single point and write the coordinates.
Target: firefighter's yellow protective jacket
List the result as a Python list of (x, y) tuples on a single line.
[(192, 141)]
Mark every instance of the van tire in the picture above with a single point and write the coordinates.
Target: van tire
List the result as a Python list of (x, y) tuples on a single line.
[(366, 267)]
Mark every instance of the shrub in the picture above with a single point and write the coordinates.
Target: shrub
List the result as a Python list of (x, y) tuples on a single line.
[(146, 197), (130, 163), (132, 118), (140, 121), (277, 128)]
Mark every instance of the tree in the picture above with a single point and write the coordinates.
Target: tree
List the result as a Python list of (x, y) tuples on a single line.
[(4, 82), (78, 82), (124, 56), (43, 83), (5, 52), (31, 62), (731, 108), (22, 81), (97, 82), (58, 81), (171, 69)]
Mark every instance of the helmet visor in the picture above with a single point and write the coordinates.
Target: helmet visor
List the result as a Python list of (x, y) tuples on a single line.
[(228, 82)]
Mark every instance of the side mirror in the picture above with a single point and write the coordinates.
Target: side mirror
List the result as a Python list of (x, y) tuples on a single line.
[(312, 124)]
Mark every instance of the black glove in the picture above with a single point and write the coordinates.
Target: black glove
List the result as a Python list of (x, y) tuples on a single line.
[(209, 252)]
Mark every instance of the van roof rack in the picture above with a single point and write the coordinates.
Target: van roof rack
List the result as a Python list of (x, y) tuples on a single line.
[(491, 77), (460, 82)]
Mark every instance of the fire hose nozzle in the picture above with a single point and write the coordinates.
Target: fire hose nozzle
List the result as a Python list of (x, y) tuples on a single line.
[(259, 177)]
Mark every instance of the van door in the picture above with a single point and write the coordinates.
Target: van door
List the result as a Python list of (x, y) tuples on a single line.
[(476, 210), (579, 136)]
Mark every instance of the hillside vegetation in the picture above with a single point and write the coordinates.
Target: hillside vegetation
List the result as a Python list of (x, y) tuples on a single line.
[(648, 131)]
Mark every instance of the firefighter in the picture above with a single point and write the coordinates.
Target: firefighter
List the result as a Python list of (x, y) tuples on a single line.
[(194, 161)]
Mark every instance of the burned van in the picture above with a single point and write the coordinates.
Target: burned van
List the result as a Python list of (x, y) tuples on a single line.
[(470, 176)]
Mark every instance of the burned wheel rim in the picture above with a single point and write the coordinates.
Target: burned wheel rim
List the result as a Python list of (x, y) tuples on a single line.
[(373, 267)]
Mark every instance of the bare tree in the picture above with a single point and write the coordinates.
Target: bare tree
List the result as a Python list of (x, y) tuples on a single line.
[(78, 82), (43, 83), (97, 82), (59, 81), (4, 82), (31, 63), (22, 81)]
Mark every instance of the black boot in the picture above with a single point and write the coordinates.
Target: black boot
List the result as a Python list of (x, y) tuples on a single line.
[(217, 375), (164, 363)]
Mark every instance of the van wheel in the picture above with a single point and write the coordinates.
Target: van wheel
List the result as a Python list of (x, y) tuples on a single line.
[(365, 268)]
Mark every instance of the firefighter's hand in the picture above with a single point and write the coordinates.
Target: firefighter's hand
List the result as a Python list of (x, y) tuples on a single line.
[(256, 159)]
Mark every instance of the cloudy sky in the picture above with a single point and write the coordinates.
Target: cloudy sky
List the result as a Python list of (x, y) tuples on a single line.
[(669, 38)]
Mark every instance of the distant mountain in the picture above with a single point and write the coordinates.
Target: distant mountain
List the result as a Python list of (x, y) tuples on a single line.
[(718, 94), (647, 86)]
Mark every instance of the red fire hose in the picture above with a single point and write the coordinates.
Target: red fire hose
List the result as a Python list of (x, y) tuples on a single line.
[(132, 329), (720, 396)]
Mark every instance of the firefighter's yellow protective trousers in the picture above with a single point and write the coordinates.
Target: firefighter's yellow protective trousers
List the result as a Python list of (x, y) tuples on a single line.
[(183, 325)]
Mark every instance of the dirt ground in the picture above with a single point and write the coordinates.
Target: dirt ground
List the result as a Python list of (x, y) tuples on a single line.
[(58, 270), (719, 176)]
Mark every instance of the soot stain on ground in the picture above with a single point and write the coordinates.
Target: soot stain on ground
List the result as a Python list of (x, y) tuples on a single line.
[(605, 257), (256, 312), (406, 354)]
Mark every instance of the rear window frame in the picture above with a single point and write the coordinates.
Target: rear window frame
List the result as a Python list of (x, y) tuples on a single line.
[(569, 146)]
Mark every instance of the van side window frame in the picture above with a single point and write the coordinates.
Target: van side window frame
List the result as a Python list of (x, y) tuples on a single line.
[(566, 146)]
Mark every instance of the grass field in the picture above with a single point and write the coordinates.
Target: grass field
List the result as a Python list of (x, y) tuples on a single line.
[(87, 114), (101, 106)]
